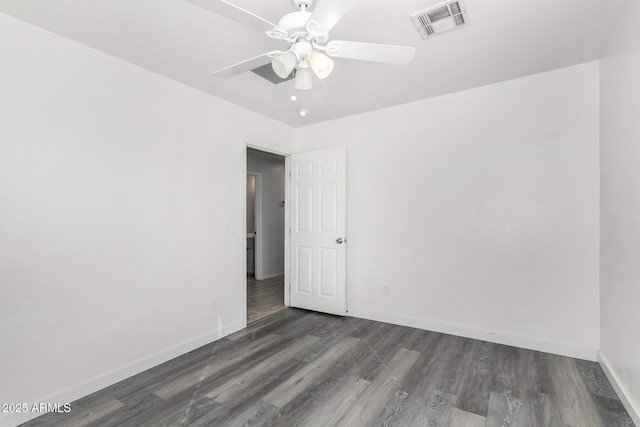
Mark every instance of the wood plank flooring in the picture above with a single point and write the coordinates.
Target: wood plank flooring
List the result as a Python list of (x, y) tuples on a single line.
[(299, 368), (264, 297)]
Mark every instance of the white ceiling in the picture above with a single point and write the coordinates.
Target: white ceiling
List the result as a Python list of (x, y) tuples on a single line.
[(505, 39)]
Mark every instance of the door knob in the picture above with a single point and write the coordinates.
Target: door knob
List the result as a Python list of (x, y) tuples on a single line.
[(339, 240)]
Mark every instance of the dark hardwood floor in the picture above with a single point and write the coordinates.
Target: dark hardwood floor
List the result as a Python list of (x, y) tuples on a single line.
[(299, 368), (264, 297)]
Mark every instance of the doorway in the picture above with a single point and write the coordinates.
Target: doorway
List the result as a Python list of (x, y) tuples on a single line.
[(265, 225)]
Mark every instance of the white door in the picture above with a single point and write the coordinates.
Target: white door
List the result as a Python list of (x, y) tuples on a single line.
[(318, 231)]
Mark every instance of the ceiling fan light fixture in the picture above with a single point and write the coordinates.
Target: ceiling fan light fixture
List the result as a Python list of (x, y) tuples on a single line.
[(284, 64), (303, 79), (305, 36), (321, 64)]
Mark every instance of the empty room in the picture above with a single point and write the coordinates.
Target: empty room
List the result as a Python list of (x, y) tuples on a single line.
[(320, 213)]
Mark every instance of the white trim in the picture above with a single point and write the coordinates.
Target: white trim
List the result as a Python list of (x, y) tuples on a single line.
[(260, 146), (625, 397), (106, 379), (478, 334), (287, 234), (243, 270), (257, 266)]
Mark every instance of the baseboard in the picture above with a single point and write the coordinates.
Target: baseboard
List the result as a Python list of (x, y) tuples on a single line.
[(632, 407), (479, 334), (101, 381), (269, 276)]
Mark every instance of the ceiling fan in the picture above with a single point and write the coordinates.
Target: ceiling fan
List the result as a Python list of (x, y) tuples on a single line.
[(305, 39)]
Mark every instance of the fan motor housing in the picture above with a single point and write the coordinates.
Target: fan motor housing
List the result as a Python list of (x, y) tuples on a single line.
[(294, 24)]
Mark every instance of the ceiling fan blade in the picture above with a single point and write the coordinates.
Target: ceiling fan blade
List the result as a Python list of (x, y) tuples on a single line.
[(243, 66), (329, 12), (235, 13), (385, 53)]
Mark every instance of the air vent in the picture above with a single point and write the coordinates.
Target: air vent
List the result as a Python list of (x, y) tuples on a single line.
[(267, 73), (440, 19)]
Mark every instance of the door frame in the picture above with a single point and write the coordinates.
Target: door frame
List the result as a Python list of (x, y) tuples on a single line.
[(261, 146), (257, 215)]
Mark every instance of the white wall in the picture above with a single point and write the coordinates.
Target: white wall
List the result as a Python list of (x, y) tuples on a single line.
[(479, 210), (121, 197), (271, 240), (620, 205)]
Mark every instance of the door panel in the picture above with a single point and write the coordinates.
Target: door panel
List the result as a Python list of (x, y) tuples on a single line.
[(304, 262), (318, 231), (328, 208), (304, 207), (328, 268)]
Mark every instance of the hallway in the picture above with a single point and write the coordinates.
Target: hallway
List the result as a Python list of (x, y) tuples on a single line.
[(264, 297)]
